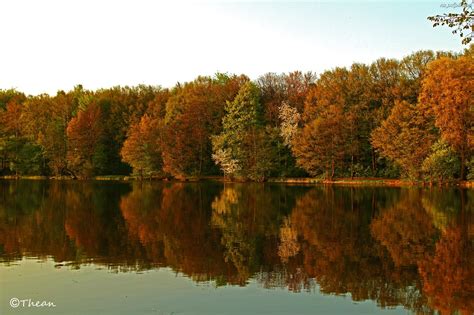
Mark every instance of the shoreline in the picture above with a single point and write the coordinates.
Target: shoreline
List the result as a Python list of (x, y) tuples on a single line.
[(384, 182)]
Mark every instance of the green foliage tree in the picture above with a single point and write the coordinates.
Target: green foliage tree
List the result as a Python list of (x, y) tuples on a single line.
[(281, 93), (442, 164), (29, 160), (243, 141), (18, 154), (259, 155), (470, 167)]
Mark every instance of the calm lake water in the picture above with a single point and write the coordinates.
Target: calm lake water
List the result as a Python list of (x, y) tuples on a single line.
[(210, 248)]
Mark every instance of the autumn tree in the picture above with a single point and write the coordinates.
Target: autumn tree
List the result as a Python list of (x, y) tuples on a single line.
[(290, 120), (194, 112), (84, 134), (10, 129), (18, 152), (357, 107), (142, 149), (290, 88), (447, 93), (320, 146), (45, 120), (405, 137), (156, 107), (42, 124), (186, 145), (284, 94), (10, 95), (412, 71), (297, 86), (347, 89), (121, 107), (272, 89)]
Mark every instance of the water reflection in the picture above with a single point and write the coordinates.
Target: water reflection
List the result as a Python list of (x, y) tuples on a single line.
[(409, 247)]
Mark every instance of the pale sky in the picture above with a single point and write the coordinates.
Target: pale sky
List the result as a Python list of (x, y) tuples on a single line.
[(52, 45)]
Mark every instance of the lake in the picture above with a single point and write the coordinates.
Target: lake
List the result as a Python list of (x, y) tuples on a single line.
[(96, 247)]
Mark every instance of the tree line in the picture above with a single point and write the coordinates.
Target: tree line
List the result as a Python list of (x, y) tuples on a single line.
[(410, 118)]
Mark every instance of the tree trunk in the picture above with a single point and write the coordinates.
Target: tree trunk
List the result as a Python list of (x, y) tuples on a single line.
[(352, 166), (332, 169), (200, 158), (463, 216), (373, 162), (70, 172), (254, 149), (463, 162)]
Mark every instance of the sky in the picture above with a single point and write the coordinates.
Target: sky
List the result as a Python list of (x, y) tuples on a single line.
[(53, 45)]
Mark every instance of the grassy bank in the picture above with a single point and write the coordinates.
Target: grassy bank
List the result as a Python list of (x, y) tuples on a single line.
[(296, 180), (347, 181)]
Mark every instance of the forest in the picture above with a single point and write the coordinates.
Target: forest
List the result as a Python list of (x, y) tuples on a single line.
[(410, 118)]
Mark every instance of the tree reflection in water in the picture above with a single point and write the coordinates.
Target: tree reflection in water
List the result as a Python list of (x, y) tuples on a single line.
[(411, 247)]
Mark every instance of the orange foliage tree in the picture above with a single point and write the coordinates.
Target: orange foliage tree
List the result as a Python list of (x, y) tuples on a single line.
[(193, 113), (84, 132), (321, 144), (448, 93), (142, 149), (405, 137)]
